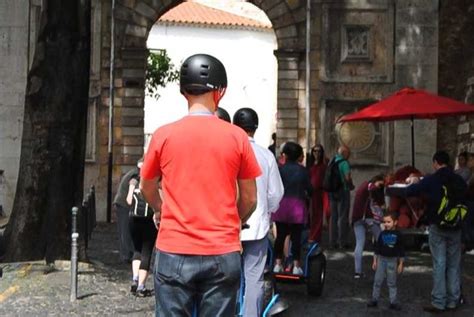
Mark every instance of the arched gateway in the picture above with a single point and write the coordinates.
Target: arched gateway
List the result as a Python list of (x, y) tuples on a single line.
[(133, 21), (360, 51)]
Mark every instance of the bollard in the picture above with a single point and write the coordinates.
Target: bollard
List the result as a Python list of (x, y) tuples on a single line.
[(74, 252)]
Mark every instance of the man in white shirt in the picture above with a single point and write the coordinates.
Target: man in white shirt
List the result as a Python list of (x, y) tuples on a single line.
[(254, 239)]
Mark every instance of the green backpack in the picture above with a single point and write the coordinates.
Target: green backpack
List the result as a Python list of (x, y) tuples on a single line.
[(451, 213)]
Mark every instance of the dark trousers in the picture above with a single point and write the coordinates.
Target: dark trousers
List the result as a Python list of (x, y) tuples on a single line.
[(123, 230), (143, 232), (294, 230), (208, 283)]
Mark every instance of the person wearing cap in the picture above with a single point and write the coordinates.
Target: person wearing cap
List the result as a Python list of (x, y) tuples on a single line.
[(254, 239), (198, 261)]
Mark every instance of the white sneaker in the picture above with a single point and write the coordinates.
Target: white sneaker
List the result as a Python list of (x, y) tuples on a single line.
[(297, 270), (277, 268)]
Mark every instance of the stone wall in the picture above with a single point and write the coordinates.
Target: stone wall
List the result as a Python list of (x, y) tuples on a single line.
[(456, 72), (14, 35)]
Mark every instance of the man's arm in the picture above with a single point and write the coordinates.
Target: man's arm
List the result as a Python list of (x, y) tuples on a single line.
[(346, 170), (247, 200), (348, 178), (415, 189), (149, 190)]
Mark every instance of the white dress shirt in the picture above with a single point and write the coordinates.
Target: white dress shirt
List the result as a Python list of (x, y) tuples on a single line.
[(269, 193)]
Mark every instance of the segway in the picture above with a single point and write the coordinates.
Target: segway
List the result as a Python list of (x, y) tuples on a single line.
[(314, 271)]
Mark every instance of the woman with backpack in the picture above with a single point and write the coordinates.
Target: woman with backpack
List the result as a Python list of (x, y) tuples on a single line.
[(143, 231), (292, 213)]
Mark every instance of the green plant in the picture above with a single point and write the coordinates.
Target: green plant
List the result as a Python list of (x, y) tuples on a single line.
[(160, 71)]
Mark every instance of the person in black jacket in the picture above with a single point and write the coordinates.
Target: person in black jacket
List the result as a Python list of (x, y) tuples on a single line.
[(445, 243), (388, 261)]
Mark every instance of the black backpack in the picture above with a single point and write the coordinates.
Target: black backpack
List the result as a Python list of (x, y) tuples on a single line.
[(453, 209), (140, 207), (332, 181)]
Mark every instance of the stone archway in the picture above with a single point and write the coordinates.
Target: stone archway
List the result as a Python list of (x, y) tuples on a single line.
[(134, 19)]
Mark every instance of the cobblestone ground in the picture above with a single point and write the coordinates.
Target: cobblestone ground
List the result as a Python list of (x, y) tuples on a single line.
[(32, 289)]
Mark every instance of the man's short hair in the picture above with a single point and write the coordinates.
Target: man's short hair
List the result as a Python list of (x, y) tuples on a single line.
[(293, 151), (441, 157)]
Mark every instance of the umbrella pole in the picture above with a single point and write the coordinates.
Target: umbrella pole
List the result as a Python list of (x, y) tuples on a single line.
[(412, 141)]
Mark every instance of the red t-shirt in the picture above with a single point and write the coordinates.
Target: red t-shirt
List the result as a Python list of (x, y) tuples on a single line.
[(200, 159)]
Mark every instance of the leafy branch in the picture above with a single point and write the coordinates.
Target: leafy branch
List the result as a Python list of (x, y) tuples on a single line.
[(160, 71)]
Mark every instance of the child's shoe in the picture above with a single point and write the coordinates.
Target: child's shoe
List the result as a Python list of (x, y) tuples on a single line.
[(372, 303), (277, 268), (297, 270)]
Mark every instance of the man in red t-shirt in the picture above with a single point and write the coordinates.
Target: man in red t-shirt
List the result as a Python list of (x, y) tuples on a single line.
[(203, 162)]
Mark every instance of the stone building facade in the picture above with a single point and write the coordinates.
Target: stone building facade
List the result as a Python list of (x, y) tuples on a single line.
[(361, 51), (456, 72)]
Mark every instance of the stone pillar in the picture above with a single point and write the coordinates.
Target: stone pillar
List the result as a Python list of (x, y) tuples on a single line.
[(289, 101)]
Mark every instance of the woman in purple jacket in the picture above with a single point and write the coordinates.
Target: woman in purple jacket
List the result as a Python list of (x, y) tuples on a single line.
[(292, 213)]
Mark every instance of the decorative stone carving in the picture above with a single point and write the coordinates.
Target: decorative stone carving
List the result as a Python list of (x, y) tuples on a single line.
[(358, 136), (357, 42), (368, 141)]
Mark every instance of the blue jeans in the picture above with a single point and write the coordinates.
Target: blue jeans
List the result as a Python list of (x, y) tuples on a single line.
[(340, 202), (386, 267), (360, 227), (445, 247), (209, 282), (254, 258)]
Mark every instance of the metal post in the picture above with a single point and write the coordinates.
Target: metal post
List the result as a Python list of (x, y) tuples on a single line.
[(74, 251), (308, 76), (85, 221), (111, 112)]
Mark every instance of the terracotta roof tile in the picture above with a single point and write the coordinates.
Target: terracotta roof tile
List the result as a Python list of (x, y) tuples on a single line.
[(196, 13)]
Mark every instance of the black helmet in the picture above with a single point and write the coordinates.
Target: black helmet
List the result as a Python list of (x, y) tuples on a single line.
[(221, 113), (247, 119), (202, 73)]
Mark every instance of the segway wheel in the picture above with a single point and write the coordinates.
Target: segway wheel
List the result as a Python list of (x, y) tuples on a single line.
[(316, 275), (269, 286)]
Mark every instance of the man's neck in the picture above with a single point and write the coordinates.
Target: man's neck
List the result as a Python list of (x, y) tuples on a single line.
[(201, 103)]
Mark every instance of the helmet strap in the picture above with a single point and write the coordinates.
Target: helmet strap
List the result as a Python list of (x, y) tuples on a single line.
[(217, 95)]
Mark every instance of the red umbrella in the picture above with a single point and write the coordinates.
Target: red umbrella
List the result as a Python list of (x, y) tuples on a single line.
[(410, 104)]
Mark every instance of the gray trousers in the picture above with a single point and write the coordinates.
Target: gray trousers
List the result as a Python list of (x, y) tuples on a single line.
[(340, 202), (254, 258), (386, 267)]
